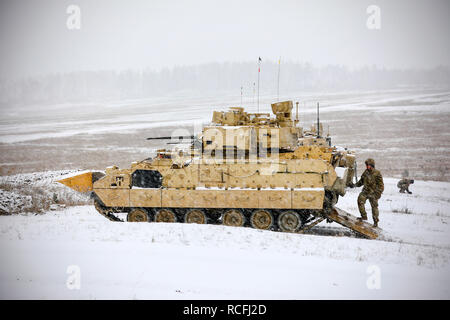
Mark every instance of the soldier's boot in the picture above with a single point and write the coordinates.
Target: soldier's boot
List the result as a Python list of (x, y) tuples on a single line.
[(375, 224), (360, 220), (408, 191)]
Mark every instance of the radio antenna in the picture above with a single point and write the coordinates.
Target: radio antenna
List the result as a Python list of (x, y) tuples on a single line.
[(278, 82), (241, 94), (259, 71), (253, 99), (318, 123)]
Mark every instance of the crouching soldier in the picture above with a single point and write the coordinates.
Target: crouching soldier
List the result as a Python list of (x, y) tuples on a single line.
[(373, 184), (403, 185)]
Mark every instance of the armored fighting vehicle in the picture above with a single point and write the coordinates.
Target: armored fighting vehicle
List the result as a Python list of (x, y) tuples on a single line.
[(244, 169)]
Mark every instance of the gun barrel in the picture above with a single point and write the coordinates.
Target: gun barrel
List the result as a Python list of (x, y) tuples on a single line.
[(173, 137)]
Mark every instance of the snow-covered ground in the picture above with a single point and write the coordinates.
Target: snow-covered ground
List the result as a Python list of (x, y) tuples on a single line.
[(37, 191), (400, 128), (46, 256)]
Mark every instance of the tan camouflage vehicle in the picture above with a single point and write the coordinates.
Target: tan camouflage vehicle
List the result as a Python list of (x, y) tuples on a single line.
[(244, 169)]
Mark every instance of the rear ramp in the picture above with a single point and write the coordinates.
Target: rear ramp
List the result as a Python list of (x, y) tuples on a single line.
[(347, 220)]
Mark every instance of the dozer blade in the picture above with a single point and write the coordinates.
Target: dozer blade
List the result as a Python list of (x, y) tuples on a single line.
[(81, 183), (347, 220)]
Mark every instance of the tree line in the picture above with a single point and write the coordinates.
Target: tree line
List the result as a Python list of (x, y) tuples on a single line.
[(210, 78)]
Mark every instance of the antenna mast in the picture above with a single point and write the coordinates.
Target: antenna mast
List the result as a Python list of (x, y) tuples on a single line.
[(318, 125), (259, 71), (241, 94), (253, 99), (278, 84)]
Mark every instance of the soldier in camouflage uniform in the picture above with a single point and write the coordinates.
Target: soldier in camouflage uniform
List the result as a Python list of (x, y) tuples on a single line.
[(403, 185), (373, 184)]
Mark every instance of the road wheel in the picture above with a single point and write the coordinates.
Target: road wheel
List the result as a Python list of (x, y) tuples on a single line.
[(289, 221), (165, 215), (234, 218), (195, 216), (138, 215), (261, 219)]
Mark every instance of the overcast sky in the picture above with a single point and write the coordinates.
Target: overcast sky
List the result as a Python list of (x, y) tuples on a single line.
[(119, 34)]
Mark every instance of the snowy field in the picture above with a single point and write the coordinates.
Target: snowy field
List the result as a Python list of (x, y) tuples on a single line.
[(44, 255), (41, 255)]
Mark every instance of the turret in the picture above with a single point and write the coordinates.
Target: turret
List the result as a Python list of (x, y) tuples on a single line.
[(238, 132)]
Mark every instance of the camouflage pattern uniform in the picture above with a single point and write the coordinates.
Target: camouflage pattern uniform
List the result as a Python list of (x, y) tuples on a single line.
[(372, 181), (403, 185)]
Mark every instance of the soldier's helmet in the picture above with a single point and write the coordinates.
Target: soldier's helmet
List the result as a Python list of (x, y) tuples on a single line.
[(370, 162)]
